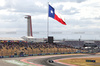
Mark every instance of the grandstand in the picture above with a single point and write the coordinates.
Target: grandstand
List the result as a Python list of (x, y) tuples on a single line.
[(75, 43), (20, 47), (9, 48)]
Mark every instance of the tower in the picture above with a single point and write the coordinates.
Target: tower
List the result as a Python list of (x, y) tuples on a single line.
[(29, 25)]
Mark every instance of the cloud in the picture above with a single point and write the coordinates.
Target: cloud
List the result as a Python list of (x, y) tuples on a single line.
[(28, 6), (85, 9), (2, 3), (71, 11), (78, 1), (58, 1), (80, 15)]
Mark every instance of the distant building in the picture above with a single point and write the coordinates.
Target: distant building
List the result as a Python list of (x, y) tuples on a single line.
[(29, 25), (29, 37), (11, 38)]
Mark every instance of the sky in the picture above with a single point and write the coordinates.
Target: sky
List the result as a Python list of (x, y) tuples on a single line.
[(81, 16)]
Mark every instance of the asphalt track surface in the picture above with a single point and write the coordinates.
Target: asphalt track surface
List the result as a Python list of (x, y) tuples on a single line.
[(42, 60)]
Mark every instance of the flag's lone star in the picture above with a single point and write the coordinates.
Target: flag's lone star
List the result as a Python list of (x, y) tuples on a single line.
[(51, 11)]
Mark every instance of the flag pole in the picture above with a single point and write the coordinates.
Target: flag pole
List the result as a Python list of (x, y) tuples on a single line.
[(48, 21)]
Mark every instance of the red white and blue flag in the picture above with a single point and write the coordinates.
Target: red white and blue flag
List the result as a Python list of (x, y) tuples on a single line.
[(53, 14)]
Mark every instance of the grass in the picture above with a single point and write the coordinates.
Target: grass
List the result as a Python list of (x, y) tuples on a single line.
[(82, 61)]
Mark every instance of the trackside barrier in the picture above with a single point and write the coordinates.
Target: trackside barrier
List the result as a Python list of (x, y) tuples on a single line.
[(81, 52), (62, 53), (40, 54), (1, 57), (43, 53), (66, 52), (55, 53), (72, 52), (34, 54), (69, 52), (51, 53), (58, 53), (21, 55), (47, 53), (11, 56), (90, 61), (75, 52), (27, 55), (6, 56), (16, 56)]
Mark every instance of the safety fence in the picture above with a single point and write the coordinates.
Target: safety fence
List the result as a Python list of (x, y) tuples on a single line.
[(25, 55), (23, 52)]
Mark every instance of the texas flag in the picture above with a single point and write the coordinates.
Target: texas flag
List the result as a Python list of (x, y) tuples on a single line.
[(53, 14)]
